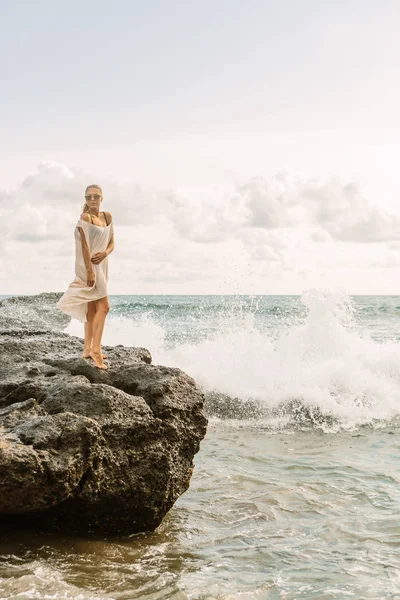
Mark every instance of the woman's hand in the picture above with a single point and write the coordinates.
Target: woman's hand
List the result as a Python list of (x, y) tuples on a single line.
[(98, 257), (90, 278)]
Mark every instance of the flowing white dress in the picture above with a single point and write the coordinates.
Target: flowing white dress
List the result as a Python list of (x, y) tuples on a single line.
[(75, 300)]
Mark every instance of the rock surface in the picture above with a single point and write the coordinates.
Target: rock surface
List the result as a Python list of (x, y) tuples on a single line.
[(86, 450)]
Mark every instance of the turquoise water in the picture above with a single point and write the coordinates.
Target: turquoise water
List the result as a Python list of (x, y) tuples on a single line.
[(279, 507)]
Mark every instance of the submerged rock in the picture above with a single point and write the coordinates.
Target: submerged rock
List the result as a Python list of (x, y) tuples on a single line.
[(86, 450), (292, 413)]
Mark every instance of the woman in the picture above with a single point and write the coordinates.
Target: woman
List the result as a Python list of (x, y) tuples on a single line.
[(86, 298)]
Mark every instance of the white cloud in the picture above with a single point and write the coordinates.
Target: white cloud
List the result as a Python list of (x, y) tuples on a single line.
[(338, 210), (245, 237), (346, 215)]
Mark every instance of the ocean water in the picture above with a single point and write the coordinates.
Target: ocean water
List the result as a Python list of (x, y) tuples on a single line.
[(296, 488)]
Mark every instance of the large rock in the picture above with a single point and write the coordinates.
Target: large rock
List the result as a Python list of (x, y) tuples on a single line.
[(89, 450)]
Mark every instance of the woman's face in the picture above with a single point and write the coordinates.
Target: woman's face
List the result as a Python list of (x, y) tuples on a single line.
[(93, 198)]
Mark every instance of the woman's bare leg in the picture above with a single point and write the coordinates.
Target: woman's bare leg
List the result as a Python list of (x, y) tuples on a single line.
[(102, 308), (91, 311)]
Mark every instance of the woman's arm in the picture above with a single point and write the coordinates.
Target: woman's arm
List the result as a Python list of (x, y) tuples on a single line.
[(100, 256), (110, 246), (86, 254)]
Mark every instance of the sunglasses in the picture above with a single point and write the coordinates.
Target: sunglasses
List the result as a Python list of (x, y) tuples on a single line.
[(95, 196)]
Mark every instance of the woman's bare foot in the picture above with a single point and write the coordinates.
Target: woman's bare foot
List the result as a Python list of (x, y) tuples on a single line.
[(98, 360)]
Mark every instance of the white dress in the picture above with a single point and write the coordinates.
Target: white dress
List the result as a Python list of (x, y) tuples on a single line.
[(75, 300)]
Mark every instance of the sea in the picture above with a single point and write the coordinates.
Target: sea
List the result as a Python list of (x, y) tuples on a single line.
[(296, 488)]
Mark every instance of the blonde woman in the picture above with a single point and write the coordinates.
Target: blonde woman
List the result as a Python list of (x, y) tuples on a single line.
[(86, 298)]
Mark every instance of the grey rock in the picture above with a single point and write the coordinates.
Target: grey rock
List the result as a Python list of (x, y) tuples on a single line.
[(86, 450), (33, 371)]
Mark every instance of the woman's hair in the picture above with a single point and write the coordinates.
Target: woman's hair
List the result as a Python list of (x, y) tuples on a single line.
[(85, 207)]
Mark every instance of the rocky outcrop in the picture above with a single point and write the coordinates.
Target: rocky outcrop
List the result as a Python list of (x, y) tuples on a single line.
[(86, 450)]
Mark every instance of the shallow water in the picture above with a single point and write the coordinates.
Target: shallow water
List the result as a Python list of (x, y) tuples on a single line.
[(275, 510), (268, 515)]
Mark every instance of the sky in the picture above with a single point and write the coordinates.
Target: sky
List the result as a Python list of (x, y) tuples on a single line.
[(243, 147)]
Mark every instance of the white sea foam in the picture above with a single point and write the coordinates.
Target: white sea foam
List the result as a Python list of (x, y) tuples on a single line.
[(324, 361), (41, 581)]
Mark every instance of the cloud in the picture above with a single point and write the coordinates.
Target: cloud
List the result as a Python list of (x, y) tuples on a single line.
[(346, 215), (258, 228), (334, 210), (320, 235), (338, 210), (268, 202)]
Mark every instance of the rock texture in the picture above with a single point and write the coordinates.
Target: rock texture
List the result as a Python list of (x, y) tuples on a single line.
[(86, 450)]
